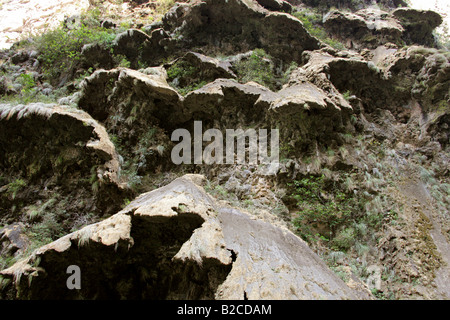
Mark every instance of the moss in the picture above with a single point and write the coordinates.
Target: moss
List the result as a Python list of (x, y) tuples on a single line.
[(184, 77), (313, 23), (258, 68)]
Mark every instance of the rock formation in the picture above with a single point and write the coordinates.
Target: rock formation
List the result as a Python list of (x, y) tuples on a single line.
[(357, 207)]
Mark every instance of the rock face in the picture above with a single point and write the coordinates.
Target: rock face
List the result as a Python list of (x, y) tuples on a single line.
[(178, 243), (56, 146), (223, 103), (12, 239), (32, 17), (276, 5), (144, 92), (355, 5), (421, 73), (365, 28), (418, 24)]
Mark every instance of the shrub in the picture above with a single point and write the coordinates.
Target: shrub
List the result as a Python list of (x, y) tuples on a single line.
[(345, 239), (28, 90), (60, 49), (312, 23)]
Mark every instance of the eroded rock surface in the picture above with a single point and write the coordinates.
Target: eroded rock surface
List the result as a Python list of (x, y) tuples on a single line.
[(350, 121), (373, 27), (52, 149), (178, 243)]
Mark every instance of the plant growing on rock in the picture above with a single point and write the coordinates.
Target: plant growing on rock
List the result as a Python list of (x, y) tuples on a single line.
[(185, 77), (60, 49), (14, 187), (258, 68)]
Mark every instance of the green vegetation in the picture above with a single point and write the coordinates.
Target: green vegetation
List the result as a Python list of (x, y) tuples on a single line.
[(139, 157), (332, 210), (60, 49), (14, 187), (259, 67), (45, 223), (312, 22), (347, 95)]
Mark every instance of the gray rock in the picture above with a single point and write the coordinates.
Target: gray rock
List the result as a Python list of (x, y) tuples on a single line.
[(365, 28), (13, 240), (234, 27), (86, 145), (153, 26), (108, 24), (129, 42), (47, 91), (180, 233), (95, 55)]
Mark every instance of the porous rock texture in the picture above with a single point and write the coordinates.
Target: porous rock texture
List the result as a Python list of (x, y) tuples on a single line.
[(296, 108), (178, 243), (371, 122), (57, 151), (418, 24)]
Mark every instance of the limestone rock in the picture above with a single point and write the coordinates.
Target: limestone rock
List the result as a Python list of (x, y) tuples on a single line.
[(216, 69), (151, 91), (30, 18), (135, 106), (306, 115), (354, 5), (418, 24), (423, 73), (130, 43), (228, 103), (194, 69), (178, 243), (95, 55), (173, 18), (13, 241)]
